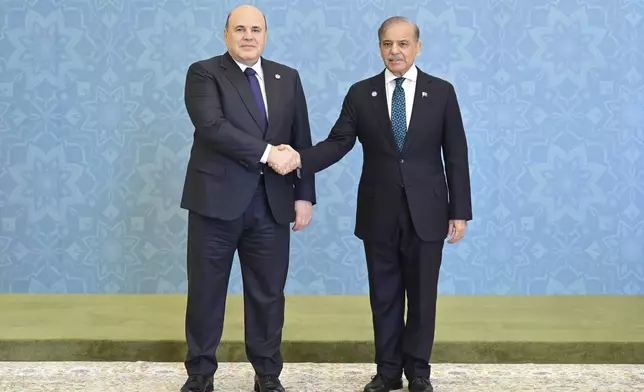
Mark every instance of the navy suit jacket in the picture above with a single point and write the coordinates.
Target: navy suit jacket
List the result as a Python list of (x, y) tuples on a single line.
[(432, 169), (224, 167)]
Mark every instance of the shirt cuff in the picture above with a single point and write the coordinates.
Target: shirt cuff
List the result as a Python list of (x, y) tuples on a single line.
[(264, 158)]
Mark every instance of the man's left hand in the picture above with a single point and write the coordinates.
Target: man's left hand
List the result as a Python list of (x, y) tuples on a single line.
[(456, 230), (303, 214)]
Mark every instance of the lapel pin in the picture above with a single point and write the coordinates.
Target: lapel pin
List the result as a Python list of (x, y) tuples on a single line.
[(424, 94), (277, 76), (373, 94)]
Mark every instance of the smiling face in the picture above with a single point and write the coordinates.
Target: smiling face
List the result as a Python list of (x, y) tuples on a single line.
[(245, 34), (399, 46)]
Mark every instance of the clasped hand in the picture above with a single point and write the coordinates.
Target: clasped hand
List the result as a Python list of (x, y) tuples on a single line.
[(283, 159)]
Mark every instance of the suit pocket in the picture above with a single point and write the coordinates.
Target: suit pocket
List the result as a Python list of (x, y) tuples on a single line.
[(212, 169)]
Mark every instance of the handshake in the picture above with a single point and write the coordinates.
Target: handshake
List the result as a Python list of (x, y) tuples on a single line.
[(283, 159)]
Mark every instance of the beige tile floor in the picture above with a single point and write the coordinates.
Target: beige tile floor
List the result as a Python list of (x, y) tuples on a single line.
[(162, 377)]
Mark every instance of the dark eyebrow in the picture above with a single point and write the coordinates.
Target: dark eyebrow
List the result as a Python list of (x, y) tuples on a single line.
[(254, 27)]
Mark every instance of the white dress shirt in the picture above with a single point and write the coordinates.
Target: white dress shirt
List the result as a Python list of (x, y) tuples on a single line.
[(260, 78), (409, 85)]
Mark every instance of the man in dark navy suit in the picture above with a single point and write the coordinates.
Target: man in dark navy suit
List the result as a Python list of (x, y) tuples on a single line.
[(408, 201), (242, 106)]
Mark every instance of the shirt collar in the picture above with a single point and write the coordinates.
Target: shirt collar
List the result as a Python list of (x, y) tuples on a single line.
[(257, 67), (411, 74)]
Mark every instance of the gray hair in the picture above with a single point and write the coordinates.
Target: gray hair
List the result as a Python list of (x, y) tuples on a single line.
[(394, 20)]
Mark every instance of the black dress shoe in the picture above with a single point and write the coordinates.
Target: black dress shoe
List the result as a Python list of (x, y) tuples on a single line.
[(268, 384), (381, 383), (420, 384), (198, 384)]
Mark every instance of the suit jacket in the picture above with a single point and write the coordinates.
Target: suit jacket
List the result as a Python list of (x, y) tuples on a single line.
[(224, 167), (435, 192)]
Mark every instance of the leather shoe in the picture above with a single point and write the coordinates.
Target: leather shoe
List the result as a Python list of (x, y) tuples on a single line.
[(420, 384), (198, 383), (268, 384), (380, 383)]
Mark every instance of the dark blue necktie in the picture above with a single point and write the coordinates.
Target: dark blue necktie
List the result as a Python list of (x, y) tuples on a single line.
[(257, 94), (399, 114)]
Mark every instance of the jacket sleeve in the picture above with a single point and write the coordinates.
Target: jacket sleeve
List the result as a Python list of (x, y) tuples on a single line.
[(338, 143), (202, 101), (456, 160), (301, 139)]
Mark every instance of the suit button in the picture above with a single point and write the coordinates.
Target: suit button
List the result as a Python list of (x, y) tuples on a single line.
[(402, 161)]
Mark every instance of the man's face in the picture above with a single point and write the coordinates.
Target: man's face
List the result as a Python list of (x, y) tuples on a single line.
[(245, 36), (399, 47)]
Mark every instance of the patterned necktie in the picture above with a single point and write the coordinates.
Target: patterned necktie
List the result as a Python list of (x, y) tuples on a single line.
[(257, 93), (399, 114)]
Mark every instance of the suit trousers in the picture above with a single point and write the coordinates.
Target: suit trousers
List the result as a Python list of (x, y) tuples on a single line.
[(404, 265), (263, 248)]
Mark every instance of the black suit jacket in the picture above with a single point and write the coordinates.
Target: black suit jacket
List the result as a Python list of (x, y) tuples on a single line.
[(224, 166), (435, 192)]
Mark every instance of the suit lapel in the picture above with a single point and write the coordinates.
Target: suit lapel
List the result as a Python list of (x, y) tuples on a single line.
[(421, 95), (380, 109), (273, 87), (238, 79)]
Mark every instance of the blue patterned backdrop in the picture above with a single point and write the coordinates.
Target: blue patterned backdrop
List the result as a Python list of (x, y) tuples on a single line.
[(94, 139)]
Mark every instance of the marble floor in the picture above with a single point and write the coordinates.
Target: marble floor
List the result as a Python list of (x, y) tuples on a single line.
[(162, 377)]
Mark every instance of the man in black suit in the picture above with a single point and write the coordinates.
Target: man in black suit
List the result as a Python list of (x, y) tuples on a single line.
[(404, 118), (242, 106)]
